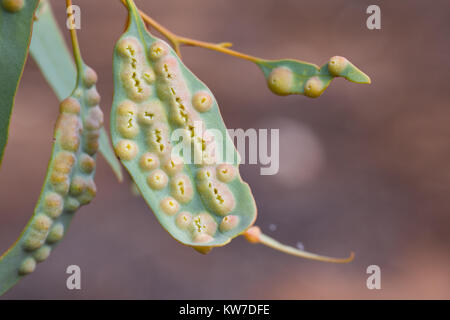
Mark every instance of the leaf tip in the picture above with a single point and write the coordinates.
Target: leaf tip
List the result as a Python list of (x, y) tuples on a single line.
[(341, 67)]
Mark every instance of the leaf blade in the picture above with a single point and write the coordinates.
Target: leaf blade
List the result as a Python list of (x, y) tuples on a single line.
[(15, 35), (136, 50), (289, 76)]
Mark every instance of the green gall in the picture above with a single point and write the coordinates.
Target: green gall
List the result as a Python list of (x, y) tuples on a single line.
[(281, 80), (13, 5), (337, 65)]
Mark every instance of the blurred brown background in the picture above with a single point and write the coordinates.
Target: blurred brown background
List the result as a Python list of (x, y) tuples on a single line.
[(370, 171)]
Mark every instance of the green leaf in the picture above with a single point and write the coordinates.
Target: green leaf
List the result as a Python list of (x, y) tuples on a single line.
[(156, 95), (286, 77), (15, 34), (51, 54), (69, 182)]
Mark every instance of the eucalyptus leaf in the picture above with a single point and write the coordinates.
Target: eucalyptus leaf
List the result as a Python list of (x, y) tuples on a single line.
[(69, 182), (287, 76), (15, 34), (201, 204)]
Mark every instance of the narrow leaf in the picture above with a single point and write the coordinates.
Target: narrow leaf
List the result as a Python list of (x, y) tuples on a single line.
[(15, 34), (286, 77)]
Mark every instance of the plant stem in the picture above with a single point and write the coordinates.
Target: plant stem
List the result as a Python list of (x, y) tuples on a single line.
[(177, 40), (272, 243), (254, 235), (74, 38)]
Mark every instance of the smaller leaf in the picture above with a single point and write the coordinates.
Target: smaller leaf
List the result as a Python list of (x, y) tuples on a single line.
[(16, 21), (69, 182), (287, 76)]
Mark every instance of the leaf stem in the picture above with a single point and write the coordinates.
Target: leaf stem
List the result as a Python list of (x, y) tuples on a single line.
[(74, 39), (177, 40), (255, 235)]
